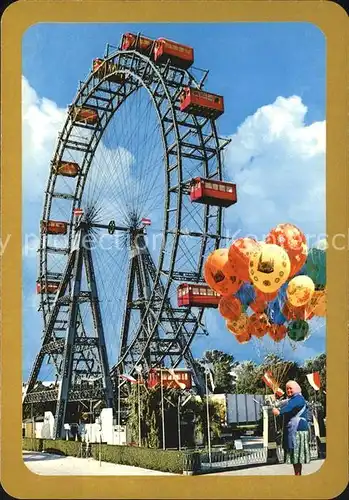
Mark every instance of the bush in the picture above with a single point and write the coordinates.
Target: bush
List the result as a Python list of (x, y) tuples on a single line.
[(148, 458), (31, 444), (165, 461), (62, 447)]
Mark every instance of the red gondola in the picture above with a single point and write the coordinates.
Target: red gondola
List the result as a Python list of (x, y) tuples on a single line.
[(47, 287), (212, 192), (66, 168), (200, 103), (54, 227), (197, 295), (183, 376), (143, 45), (103, 68), (84, 115), (180, 55)]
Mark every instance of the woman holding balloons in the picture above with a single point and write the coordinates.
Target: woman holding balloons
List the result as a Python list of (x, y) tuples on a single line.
[(295, 440)]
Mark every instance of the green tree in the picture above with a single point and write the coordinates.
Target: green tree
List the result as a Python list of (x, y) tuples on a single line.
[(222, 364), (196, 408), (133, 421), (249, 379), (153, 434), (151, 416), (282, 370), (249, 375)]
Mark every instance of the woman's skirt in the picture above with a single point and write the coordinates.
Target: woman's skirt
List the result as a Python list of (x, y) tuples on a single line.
[(301, 452)]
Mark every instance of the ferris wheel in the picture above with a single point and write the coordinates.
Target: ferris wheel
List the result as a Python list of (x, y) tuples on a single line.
[(136, 183)]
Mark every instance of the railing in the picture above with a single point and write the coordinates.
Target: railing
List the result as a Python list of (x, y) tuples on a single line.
[(234, 458), (246, 457)]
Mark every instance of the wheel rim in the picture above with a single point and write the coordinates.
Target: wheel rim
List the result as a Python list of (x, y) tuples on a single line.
[(191, 148)]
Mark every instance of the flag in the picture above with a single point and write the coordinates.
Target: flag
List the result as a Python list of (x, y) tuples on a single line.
[(314, 380), (176, 378), (211, 380), (209, 372), (77, 212), (129, 378), (146, 222), (271, 382)]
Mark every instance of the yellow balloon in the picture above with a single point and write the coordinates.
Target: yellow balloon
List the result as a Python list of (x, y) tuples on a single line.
[(300, 290), (318, 303), (269, 267), (238, 326)]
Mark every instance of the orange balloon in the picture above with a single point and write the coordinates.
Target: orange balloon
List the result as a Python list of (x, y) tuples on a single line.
[(258, 324), (259, 305), (292, 313), (239, 256), (277, 332), (230, 307), (292, 239), (219, 274), (243, 337), (238, 326), (318, 303), (267, 297)]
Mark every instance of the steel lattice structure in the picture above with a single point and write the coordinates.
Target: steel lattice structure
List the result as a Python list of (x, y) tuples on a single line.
[(153, 331)]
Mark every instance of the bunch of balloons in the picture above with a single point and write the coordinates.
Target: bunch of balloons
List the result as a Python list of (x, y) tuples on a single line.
[(272, 287)]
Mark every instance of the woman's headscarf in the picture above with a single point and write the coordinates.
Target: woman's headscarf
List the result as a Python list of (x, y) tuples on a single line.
[(296, 387)]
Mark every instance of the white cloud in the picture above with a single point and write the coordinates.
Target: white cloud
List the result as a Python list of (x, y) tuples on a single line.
[(41, 121), (278, 164), (321, 244)]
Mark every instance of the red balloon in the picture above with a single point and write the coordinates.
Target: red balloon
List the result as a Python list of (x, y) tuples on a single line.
[(277, 332), (266, 297), (258, 324), (243, 337), (259, 305), (238, 326), (292, 239), (230, 307), (239, 256)]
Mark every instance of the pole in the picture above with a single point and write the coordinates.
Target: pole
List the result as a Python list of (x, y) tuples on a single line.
[(90, 420), (100, 448), (208, 419), (119, 407), (162, 412), (100, 440), (33, 425), (139, 414), (179, 420)]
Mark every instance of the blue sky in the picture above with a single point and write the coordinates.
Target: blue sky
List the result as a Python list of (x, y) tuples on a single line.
[(251, 65)]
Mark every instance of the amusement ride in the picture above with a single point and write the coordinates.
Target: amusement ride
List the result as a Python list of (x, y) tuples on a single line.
[(138, 156)]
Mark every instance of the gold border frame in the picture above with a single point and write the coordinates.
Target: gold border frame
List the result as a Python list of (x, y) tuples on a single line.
[(331, 479)]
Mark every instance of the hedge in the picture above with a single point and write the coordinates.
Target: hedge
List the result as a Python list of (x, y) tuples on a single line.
[(161, 460), (56, 446), (148, 458), (62, 447), (31, 444)]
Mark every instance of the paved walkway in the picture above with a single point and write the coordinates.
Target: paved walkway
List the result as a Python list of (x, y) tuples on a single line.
[(272, 470), (56, 465), (51, 465)]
